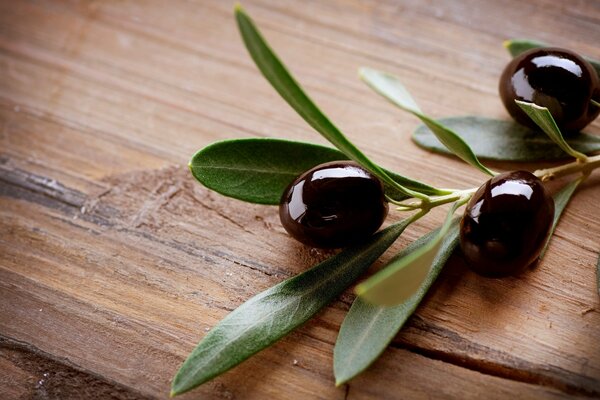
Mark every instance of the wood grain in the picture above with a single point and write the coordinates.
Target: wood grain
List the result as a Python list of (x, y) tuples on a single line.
[(114, 262)]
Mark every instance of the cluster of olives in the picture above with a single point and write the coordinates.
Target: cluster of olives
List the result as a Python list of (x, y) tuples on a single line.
[(507, 220)]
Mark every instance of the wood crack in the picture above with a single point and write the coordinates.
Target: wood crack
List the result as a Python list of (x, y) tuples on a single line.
[(51, 193), (488, 361), (49, 377), (220, 214)]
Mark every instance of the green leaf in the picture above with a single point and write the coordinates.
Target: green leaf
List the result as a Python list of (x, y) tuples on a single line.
[(258, 170), (270, 315), (518, 46), (390, 87), (495, 139), (283, 82), (561, 199), (402, 277), (368, 329), (543, 118)]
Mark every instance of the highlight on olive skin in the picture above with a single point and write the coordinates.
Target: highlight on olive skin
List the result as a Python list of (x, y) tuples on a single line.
[(333, 205), (506, 224), (557, 79)]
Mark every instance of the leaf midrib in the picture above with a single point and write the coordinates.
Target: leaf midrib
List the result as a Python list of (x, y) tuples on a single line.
[(364, 336)]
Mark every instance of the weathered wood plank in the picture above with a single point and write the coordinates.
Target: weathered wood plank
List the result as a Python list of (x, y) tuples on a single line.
[(139, 283), (29, 373)]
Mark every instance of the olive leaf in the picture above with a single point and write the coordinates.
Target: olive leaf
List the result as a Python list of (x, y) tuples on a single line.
[(258, 170), (287, 87), (561, 199), (503, 140), (368, 329), (270, 315), (543, 118), (390, 87), (518, 46), (402, 277)]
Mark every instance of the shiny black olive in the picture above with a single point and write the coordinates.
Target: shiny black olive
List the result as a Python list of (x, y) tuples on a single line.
[(333, 205), (555, 78), (506, 224)]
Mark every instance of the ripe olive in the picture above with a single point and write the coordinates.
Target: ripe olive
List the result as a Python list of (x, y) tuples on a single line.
[(333, 205), (506, 224), (557, 79)]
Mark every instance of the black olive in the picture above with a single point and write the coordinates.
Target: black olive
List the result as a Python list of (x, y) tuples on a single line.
[(506, 224), (557, 79), (333, 205)]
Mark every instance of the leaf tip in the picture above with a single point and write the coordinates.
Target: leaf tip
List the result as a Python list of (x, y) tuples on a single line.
[(506, 44), (526, 104), (237, 8), (173, 393), (360, 289), (363, 73)]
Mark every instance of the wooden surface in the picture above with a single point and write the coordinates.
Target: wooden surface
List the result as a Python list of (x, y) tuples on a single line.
[(114, 262)]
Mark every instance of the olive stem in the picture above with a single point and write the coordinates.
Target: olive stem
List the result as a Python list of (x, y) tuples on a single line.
[(594, 102), (436, 201), (458, 195), (583, 166)]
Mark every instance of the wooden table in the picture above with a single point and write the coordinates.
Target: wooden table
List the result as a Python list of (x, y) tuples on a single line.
[(114, 262)]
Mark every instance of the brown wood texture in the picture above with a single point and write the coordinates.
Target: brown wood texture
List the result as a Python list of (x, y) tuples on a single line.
[(114, 263)]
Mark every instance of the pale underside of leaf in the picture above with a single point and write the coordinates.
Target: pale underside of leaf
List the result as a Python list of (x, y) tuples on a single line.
[(543, 118), (401, 278), (394, 91), (270, 315), (495, 139), (368, 329)]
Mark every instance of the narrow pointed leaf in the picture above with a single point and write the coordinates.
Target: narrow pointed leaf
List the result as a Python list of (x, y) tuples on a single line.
[(518, 46), (561, 199), (258, 170), (495, 139), (270, 315), (390, 87), (402, 277), (285, 84), (543, 118), (368, 329)]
